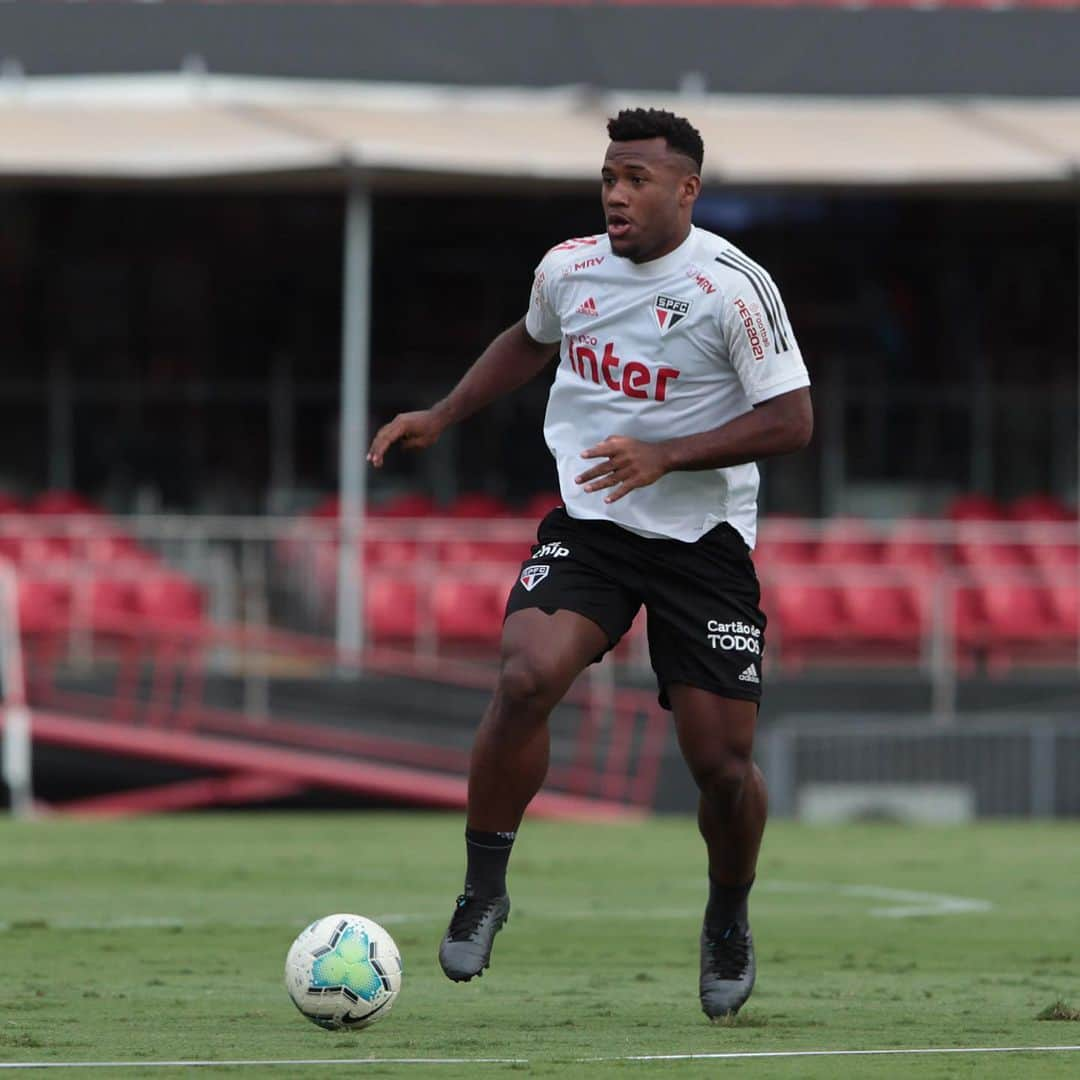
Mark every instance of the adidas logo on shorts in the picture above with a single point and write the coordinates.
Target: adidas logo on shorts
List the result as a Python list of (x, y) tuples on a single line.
[(750, 675)]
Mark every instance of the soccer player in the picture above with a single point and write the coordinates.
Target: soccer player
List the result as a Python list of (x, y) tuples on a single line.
[(677, 371)]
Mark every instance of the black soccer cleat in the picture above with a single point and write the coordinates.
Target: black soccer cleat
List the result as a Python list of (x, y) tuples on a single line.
[(728, 969), (466, 949)]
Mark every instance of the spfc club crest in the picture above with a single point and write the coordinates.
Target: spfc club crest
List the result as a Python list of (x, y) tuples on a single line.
[(531, 576), (669, 312)]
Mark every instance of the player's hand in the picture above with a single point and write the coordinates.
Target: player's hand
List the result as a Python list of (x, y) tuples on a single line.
[(629, 464), (414, 430)]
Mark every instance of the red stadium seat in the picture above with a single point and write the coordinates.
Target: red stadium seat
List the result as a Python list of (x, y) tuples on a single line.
[(1016, 612), (469, 611), (1055, 561), (477, 505), (1040, 508), (11, 547), (912, 545), (1022, 623), (774, 548), (17, 530), (974, 508), (848, 541), (10, 504), (986, 555), (405, 506), (1065, 603), (391, 607), (169, 597), (886, 615), (391, 552), (62, 502), (109, 599), (115, 548), (38, 550), (809, 618), (44, 606)]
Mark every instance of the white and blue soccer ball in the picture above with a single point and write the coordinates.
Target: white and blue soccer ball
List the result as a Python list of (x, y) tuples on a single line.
[(343, 972)]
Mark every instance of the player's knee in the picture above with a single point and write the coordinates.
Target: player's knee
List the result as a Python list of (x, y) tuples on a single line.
[(525, 685), (722, 782)]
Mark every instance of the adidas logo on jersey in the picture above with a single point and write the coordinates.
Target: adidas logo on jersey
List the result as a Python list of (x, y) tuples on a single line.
[(750, 675), (588, 308)]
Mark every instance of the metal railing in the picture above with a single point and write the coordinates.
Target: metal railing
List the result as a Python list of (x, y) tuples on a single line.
[(283, 572), (1012, 765)]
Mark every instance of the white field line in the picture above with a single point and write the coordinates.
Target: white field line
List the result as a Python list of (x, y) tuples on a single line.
[(905, 903), (732, 1055)]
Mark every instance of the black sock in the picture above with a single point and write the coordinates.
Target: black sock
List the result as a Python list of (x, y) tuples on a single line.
[(487, 853), (727, 905)]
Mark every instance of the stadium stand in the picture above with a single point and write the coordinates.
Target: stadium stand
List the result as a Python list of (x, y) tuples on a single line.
[(846, 590), (76, 566), (998, 582)]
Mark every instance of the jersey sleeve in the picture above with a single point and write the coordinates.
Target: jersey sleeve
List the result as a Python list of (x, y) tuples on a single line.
[(542, 319), (758, 334)]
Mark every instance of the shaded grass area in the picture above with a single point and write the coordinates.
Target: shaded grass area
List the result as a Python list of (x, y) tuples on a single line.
[(164, 939)]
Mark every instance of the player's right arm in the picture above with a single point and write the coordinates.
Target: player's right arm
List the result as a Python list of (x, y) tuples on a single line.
[(511, 360)]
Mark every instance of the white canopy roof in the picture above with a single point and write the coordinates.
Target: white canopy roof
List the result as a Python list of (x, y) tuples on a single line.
[(192, 126)]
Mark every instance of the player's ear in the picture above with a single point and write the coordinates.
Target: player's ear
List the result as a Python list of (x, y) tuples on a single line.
[(690, 188)]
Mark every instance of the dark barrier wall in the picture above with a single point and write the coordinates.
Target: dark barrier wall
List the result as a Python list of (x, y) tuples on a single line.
[(735, 49)]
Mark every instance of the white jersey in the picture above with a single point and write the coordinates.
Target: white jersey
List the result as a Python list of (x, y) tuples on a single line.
[(657, 350)]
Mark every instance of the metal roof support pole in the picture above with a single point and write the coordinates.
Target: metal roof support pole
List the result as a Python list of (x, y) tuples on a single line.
[(61, 456), (352, 477)]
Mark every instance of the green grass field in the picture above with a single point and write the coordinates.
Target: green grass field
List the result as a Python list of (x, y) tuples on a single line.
[(164, 939)]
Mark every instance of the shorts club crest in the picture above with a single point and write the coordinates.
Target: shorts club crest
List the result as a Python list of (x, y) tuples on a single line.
[(607, 574), (531, 576)]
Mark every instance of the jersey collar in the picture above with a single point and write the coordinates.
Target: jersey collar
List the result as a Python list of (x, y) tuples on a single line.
[(663, 265)]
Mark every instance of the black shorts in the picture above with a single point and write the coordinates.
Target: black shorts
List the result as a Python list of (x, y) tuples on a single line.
[(705, 625)]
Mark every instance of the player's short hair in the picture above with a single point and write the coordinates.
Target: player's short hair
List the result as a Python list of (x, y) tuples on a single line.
[(676, 131)]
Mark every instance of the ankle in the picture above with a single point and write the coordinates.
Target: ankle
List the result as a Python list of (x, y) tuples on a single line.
[(488, 854), (728, 905)]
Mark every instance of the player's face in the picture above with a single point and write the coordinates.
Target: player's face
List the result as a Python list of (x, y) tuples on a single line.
[(647, 191)]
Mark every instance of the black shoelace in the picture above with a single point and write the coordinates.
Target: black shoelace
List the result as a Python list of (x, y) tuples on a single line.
[(469, 914), (729, 952)]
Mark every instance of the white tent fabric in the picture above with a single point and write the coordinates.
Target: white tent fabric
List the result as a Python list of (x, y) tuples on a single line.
[(191, 126)]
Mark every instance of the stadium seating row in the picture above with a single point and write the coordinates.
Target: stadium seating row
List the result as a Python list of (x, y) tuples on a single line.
[(48, 502), (916, 545), (47, 604), (95, 603), (995, 619), (807, 620), (76, 567)]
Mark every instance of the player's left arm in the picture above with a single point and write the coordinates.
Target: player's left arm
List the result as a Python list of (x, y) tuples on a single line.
[(778, 425)]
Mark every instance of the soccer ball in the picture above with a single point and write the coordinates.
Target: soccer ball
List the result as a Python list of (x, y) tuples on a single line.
[(343, 972)]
